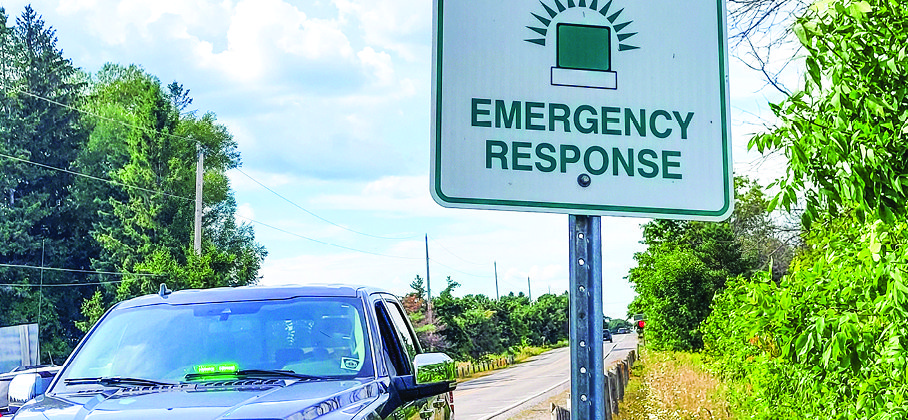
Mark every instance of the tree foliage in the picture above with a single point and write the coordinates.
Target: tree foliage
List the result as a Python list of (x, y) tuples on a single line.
[(120, 125), (684, 265), (828, 340), (473, 326), (844, 133), (687, 263), (148, 226), (38, 219)]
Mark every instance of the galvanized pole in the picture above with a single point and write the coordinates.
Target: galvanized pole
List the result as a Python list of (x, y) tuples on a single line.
[(587, 367)]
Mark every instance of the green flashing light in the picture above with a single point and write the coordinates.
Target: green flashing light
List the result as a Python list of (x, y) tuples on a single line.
[(219, 369)]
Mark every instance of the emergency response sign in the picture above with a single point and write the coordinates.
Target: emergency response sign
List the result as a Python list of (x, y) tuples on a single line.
[(591, 107)]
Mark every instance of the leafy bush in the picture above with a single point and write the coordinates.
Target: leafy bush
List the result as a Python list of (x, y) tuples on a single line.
[(475, 326), (828, 341), (833, 330)]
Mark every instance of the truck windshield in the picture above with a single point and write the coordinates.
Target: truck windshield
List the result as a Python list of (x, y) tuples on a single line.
[(311, 336)]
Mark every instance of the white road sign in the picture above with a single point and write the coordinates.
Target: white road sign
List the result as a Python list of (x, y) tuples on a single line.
[(590, 107)]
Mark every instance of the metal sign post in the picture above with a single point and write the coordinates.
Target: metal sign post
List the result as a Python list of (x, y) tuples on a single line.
[(587, 365)]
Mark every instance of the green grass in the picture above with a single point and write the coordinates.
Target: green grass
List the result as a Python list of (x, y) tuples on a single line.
[(674, 385)]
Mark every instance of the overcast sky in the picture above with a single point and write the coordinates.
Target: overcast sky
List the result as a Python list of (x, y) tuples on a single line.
[(329, 101)]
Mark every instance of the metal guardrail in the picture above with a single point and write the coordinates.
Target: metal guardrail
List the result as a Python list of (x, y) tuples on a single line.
[(465, 369)]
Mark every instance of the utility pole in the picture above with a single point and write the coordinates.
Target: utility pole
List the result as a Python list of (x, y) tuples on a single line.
[(428, 285), (197, 239), (529, 290), (496, 280)]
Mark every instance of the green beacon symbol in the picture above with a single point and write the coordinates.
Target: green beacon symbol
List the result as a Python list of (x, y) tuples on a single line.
[(584, 57), (583, 51)]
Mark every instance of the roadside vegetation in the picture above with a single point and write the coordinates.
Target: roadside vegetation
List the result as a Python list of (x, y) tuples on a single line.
[(475, 327), (820, 333), (674, 385)]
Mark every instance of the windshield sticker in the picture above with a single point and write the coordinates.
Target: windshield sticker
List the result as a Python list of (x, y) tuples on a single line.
[(349, 364)]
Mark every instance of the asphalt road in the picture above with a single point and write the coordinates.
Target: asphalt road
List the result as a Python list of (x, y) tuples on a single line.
[(507, 391)]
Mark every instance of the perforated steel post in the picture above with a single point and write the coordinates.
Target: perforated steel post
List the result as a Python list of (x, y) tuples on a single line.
[(587, 365)]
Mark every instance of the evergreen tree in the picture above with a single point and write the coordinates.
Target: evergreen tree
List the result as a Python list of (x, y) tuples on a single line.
[(137, 134), (146, 224), (40, 135)]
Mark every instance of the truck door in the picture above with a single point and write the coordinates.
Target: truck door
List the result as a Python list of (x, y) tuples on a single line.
[(400, 346)]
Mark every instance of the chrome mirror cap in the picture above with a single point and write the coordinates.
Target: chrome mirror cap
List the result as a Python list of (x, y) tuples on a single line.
[(23, 388)]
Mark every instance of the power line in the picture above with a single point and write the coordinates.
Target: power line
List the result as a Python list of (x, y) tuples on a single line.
[(149, 130), (60, 285), (110, 181), (459, 271), (96, 115), (435, 242), (356, 249), (317, 216), (73, 270), (327, 243), (79, 110)]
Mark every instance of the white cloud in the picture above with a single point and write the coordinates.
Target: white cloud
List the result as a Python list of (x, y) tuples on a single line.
[(118, 23), (261, 31), (244, 213), (396, 187), (401, 195), (242, 183), (379, 63), (351, 268), (260, 41), (402, 26)]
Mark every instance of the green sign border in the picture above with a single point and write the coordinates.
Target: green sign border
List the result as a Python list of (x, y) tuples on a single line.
[(517, 204)]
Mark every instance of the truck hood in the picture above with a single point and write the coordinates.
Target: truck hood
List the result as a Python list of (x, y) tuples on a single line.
[(247, 399)]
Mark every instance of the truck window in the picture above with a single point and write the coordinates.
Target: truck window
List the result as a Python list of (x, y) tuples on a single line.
[(411, 345), (397, 355)]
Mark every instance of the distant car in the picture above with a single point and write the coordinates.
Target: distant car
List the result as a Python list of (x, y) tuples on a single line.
[(623, 331), (606, 335), (291, 353)]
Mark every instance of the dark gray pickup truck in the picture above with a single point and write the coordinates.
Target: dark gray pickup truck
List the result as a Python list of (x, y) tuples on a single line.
[(294, 353)]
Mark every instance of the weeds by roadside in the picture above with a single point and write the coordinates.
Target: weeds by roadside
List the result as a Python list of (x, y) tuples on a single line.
[(529, 351), (672, 385)]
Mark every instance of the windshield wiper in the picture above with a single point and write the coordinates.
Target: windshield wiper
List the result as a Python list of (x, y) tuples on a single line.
[(115, 381), (253, 373)]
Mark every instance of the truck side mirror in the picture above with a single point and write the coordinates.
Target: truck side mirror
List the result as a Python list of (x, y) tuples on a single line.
[(24, 387), (435, 374), (433, 367)]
